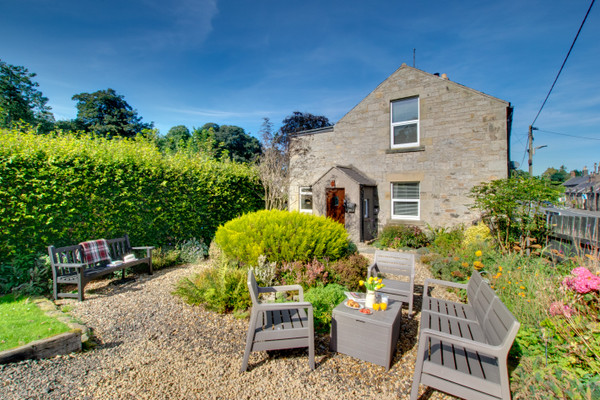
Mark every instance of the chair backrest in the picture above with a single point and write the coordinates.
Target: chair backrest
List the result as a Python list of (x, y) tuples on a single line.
[(500, 326), (394, 262), (253, 287), (65, 255)]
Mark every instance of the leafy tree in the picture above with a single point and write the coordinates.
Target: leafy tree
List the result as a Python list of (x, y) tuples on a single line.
[(511, 208), (177, 137), (241, 146), (20, 100), (557, 176), (106, 113), (298, 122)]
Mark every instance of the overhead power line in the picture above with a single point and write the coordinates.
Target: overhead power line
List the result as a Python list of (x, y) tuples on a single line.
[(564, 62), (566, 134)]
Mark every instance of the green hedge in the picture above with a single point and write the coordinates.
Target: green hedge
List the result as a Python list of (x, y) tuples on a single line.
[(282, 236), (65, 189)]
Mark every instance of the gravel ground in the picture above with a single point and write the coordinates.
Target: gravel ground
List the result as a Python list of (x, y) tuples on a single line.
[(151, 345)]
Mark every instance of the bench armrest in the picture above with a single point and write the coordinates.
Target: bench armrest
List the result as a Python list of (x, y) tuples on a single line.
[(70, 265), (496, 351), (147, 248), (441, 283)]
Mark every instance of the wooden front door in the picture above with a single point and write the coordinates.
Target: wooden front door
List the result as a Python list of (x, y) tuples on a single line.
[(335, 205)]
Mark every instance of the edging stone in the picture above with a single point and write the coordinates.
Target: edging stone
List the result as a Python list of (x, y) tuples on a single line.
[(60, 344)]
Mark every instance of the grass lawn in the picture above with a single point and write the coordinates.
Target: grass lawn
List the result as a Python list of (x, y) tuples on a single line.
[(21, 322)]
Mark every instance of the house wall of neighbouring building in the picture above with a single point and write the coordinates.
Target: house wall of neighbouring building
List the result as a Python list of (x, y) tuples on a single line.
[(463, 141)]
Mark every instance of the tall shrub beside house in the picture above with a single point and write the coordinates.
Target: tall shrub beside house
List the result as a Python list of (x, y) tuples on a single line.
[(64, 189)]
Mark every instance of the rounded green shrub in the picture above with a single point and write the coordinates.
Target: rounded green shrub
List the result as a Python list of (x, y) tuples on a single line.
[(282, 236), (348, 271), (324, 299)]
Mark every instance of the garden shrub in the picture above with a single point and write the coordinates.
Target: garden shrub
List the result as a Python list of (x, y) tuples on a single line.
[(221, 288), (306, 274), (349, 271), (477, 234), (193, 250), (282, 236), (324, 299), (64, 189), (446, 241), (401, 236), (164, 257)]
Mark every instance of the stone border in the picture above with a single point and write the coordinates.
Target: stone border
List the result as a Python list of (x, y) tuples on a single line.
[(63, 343)]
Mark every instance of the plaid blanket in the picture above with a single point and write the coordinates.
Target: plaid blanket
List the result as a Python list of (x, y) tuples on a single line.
[(95, 251)]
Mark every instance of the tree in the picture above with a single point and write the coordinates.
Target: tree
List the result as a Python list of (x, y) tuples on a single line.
[(20, 100), (178, 137), (273, 169), (556, 176), (298, 122), (106, 113), (240, 146), (511, 208)]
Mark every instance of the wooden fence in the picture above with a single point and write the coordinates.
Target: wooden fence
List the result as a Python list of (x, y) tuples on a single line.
[(574, 235)]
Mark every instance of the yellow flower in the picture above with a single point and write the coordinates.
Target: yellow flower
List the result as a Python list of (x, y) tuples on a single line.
[(523, 287), (380, 280), (500, 268), (478, 253), (370, 279), (456, 258), (361, 282), (465, 265)]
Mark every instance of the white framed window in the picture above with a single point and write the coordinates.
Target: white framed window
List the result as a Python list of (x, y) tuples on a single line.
[(404, 123), (406, 200), (306, 199)]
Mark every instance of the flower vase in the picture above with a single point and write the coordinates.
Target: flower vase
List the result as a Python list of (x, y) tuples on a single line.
[(370, 299)]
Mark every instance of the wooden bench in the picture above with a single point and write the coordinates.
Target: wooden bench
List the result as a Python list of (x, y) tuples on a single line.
[(276, 326), (463, 347), (401, 265), (69, 266)]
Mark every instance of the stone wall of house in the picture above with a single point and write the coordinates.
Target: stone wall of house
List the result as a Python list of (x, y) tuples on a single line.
[(463, 141)]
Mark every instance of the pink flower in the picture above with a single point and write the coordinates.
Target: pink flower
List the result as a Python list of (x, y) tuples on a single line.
[(581, 271), (559, 308)]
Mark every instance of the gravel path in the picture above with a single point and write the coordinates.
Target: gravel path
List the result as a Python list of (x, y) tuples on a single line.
[(151, 345)]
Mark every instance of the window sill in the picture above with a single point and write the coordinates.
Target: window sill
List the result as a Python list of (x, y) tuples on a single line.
[(405, 150)]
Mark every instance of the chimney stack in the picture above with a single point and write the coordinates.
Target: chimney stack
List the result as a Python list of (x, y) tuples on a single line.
[(444, 76), (584, 171)]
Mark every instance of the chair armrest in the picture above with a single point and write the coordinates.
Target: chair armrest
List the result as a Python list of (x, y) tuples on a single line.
[(283, 288), (372, 267), (283, 306), (485, 348), (441, 283)]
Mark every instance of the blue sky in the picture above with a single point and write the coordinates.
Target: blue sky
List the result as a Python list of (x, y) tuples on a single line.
[(189, 62)]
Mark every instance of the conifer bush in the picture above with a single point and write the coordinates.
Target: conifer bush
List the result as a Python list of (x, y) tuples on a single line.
[(282, 236)]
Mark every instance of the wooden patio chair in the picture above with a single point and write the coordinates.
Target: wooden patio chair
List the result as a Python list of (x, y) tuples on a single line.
[(401, 265), (277, 326)]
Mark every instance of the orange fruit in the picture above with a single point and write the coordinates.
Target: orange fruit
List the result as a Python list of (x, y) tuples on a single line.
[(383, 306), (376, 306)]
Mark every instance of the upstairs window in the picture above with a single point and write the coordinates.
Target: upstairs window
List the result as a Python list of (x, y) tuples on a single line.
[(406, 200), (306, 199), (405, 123)]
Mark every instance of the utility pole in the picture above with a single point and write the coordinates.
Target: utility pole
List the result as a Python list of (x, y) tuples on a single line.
[(530, 149)]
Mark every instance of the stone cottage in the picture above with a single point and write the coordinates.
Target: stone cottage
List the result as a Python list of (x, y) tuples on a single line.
[(409, 153)]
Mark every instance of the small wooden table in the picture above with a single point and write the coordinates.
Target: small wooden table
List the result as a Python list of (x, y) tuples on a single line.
[(370, 338)]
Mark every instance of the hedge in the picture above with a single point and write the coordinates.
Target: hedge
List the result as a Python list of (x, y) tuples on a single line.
[(64, 189)]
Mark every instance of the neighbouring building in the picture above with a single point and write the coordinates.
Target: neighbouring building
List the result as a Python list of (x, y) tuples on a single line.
[(409, 153), (583, 192)]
